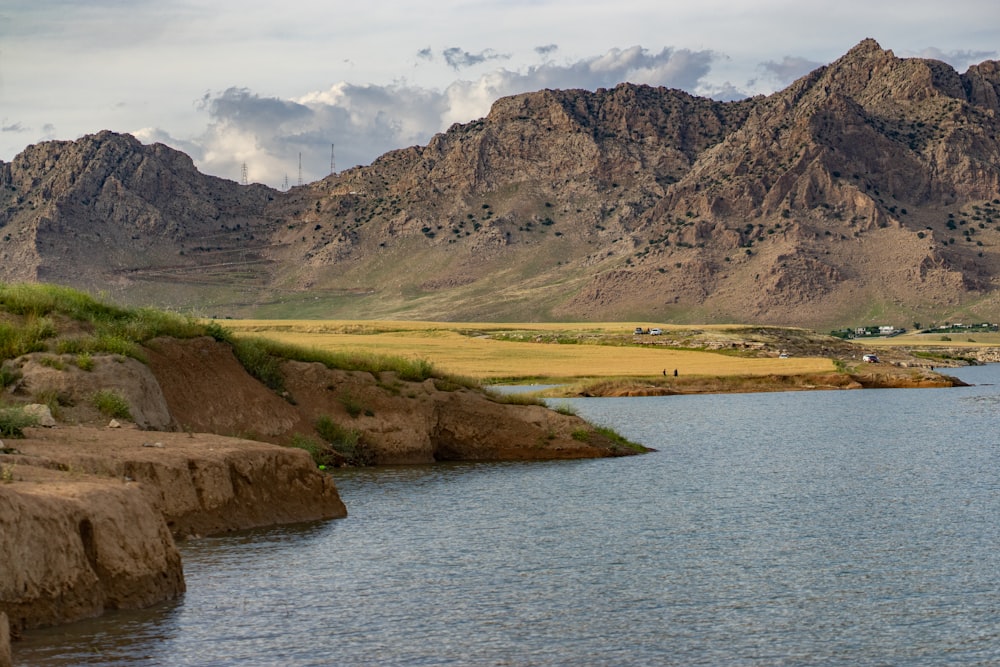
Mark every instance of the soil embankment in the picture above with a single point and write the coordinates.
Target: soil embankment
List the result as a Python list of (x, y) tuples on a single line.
[(4, 641), (88, 516), (397, 421), (89, 512)]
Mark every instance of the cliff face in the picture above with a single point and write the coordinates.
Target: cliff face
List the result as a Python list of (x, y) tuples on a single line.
[(872, 183), (73, 547), (398, 421), (88, 515)]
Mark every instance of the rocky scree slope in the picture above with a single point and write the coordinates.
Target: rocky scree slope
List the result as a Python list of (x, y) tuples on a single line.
[(871, 185)]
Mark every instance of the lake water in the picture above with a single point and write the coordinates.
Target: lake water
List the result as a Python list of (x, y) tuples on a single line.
[(833, 528)]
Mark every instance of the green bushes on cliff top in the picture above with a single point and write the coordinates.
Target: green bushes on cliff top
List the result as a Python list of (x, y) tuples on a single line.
[(262, 357), (108, 329), (112, 329)]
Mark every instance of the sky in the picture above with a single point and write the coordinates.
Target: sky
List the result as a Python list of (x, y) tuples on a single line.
[(326, 83)]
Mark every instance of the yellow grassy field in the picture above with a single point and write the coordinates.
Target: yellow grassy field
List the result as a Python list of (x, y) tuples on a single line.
[(451, 348)]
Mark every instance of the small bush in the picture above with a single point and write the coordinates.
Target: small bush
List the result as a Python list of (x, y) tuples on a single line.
[(318, 451), (257, 356), (346, 441), (352, 404), (112, 404), (85, 362), (52, 362), (8, 376), (13, 421)]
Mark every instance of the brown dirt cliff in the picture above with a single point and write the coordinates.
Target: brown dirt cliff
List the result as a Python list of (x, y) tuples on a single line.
[(397, 421), (89, 512)]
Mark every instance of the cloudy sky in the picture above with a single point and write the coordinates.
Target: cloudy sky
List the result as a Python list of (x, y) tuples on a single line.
[(255, 83)]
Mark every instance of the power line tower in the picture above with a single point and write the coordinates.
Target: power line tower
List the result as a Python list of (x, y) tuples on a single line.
[(300, 168), (244, 175), (333, 162), (285, 186)]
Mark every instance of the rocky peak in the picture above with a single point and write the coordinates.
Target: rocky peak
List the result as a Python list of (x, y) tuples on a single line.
[(614, 203)]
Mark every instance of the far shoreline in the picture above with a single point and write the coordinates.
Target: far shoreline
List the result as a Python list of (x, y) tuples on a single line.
[(880, 378)]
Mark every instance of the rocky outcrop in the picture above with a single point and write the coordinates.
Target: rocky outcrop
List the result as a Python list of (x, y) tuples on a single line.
[(871, 184), (88, 516), (74, 546), (201, 483), (60, 376)]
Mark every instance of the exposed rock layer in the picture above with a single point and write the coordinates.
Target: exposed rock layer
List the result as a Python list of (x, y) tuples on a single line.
[(75, 546), (88, 515)]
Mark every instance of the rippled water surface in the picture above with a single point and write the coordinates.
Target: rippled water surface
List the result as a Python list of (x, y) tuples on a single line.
[(837, 528)]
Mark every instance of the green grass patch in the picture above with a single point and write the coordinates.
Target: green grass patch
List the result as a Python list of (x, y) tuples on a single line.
[(352, 404), (108, 329), (84, 361), (112, 404), (30, 337), (319, 451), (346, 441), (618, 442), (517, 398), (13, 421)]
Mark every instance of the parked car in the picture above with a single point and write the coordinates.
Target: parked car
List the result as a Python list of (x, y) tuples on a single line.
[(638, 331), (655, 332), (870, 358)]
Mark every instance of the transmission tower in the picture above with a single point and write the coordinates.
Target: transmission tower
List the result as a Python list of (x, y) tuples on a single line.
[(333, 161), (285, 186), (300, 168), (244, 174)]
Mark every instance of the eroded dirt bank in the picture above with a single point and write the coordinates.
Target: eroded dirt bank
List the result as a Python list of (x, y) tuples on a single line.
[(89, 513), (4, 641), (88, 516), (398, 421)]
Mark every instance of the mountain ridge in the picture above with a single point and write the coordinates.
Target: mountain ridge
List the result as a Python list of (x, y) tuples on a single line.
[(869, 188)]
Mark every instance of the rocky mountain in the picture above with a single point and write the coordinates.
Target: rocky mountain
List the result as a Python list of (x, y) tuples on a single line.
[(869, 190)]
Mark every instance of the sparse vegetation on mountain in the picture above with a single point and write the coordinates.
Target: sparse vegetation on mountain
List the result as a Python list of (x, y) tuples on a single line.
[(868, 188)]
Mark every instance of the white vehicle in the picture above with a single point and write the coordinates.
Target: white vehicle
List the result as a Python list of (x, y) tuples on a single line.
[(655, 332)]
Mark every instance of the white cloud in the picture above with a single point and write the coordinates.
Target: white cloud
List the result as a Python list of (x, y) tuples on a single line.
[(788, 69), (960, 60), (269, 134)]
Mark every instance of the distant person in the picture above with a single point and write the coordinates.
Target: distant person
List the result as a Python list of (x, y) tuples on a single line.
[(675, 372)]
